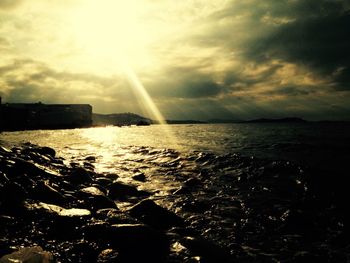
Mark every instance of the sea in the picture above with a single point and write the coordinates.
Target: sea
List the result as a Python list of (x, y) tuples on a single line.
[(313, 144), (249, 188)]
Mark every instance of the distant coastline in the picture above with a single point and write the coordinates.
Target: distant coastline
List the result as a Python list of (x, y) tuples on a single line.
[(33, 116)]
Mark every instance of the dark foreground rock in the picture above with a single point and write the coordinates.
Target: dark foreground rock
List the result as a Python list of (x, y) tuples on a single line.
[(150, 213), (70, 212), (28, 254)]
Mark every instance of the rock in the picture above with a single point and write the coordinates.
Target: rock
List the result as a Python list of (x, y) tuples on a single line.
[(28, 255), (58, 222), (156, 216), (305, 257), (103, 181), (58, 210), (108, 256), (80, 251), (298, 221), (182, 190), (114, 216), (46, 151), (32, 169), (192, 182), (5, 150), (96, 230), (12, 196), (111, 176), (206, 249), (90, 158), (138, 242), (92, 191), (88, 166), (139, 177), (79, 175), (46, 193), (119, 190), (96, 198)]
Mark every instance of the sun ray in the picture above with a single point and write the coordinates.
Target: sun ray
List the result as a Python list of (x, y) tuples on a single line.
[(147, 102)]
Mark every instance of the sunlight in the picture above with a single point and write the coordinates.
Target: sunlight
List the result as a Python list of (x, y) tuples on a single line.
[(148, 104), (114, 33), (108, 30)]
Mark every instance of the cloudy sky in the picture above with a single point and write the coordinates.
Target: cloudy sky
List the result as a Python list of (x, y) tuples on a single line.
[(197, 59)]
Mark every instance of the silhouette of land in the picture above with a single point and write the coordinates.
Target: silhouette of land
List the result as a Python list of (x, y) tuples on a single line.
[(31, 116)]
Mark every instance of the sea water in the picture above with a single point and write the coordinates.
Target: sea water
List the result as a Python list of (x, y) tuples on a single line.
[(322, 145)]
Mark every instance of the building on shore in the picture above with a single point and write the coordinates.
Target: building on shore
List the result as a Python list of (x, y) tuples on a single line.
[(28, 116)]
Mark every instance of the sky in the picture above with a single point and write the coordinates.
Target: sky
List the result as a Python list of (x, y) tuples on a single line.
[(194, 59)]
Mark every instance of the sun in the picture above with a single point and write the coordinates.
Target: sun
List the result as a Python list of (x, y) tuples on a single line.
[(113, 32)]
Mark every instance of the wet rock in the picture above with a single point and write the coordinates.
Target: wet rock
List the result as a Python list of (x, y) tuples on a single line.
[(206, 249), (96, 198), (56, 221), (58, 210), (111, 176), (28, 255), (139, 177), (198, 206), (103, 181), (192, 182), (79, 251), (46, 151), (5, 150), (92, 191), (12, 196), (156, 216), (90, 158), (182, 190), (297, 221), (119, 190), (139, 242), (46, 193), (114, 216), (108, 256), (88, 166), (96, 230), (29, 168), (79, 175), (305, 257)]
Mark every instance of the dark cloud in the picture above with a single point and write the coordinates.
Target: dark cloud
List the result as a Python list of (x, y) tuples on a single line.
[(185, 82), (313, 34), (318, 38), (27, 80), (291, 91)]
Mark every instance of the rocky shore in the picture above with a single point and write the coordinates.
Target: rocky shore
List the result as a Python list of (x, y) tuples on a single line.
[(228, 209)]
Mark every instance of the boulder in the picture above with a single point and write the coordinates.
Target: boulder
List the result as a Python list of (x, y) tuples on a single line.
[(46, 193), (139, 243), (28, 255), (79, 175), (139, 177), (96, 198), (58, 210), (209, 251), (119, 190), (154, 215), (108, 256)]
